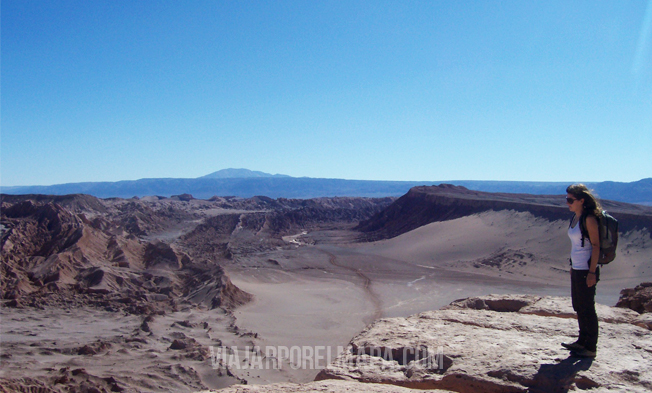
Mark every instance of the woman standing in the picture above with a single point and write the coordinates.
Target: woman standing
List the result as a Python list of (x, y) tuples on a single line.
[(585, 238)]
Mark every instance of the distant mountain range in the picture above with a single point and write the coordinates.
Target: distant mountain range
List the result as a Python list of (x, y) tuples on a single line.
[(238, 173), (246, 183)]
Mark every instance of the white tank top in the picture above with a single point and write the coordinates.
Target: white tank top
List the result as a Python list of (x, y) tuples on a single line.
[(580, 256)]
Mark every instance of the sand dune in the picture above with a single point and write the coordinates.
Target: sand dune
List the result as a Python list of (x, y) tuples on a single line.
[(514, 245)]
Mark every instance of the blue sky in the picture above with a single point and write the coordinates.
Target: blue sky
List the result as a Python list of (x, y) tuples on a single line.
[(410, 90)]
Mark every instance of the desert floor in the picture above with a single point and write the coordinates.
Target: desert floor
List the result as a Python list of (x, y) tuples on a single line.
[(324, 294), (318, 291)]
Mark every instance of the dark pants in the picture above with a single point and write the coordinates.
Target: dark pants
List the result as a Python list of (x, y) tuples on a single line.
[(584, 305)]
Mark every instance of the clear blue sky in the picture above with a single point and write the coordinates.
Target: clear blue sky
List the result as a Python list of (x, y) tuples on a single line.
[(380, 90)]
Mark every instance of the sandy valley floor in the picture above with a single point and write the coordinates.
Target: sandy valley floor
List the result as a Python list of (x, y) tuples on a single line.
[(323, 294)]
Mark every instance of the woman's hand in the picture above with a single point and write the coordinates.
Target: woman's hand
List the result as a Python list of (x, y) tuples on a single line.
[(590, 280)]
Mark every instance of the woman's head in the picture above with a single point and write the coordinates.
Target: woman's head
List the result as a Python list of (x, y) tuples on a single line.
[(580, 194)]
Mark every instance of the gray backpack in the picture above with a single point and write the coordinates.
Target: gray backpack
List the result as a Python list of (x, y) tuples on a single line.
[(608, 227)]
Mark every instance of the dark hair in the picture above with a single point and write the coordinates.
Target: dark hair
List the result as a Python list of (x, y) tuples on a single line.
[(591, 203)]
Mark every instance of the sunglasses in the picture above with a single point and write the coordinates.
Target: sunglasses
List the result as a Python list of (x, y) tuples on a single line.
[(570, 201)]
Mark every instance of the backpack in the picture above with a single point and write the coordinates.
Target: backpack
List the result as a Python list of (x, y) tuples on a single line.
[(608, 227)]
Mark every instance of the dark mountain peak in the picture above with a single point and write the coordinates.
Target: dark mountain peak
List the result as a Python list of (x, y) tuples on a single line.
[(238, 173)]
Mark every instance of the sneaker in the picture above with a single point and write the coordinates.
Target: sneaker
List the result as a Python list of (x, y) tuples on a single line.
[(584, 353), (576, 346)]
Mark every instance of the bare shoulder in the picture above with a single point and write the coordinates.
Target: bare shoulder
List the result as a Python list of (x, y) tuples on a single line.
[(591, 220)]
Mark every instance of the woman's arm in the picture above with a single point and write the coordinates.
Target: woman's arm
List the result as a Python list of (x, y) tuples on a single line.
[(594, 238)]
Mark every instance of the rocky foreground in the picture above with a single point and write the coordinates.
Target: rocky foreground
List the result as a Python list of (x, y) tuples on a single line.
[(331, 386), (506, 343)]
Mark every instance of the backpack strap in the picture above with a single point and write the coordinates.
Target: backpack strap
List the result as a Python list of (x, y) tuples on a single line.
[(583, 230), (601, 226)]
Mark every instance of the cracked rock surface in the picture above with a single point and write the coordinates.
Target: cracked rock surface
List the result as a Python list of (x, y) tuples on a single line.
[(330, 386), (506, 343)]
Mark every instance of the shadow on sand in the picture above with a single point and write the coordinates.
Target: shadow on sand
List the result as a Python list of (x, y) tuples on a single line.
[(562, 376)]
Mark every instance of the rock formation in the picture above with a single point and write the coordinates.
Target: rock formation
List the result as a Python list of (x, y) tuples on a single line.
[(638, 299), (75, 264), (53, 254), (268, 220), (498, 344), (80, 249), (426, 204)]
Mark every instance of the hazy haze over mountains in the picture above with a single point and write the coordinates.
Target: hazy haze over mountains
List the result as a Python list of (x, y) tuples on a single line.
[(246, 183)]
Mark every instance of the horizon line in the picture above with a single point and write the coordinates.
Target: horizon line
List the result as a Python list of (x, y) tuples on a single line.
[(283, 176)]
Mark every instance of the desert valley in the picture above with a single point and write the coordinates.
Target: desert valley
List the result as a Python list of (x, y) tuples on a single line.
[(138, 294), (408, 227)]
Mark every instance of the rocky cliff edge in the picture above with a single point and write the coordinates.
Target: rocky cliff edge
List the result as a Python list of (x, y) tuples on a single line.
[(507, 343)]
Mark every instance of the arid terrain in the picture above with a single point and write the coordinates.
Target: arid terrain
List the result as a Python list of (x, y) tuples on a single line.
[(134, 294)]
